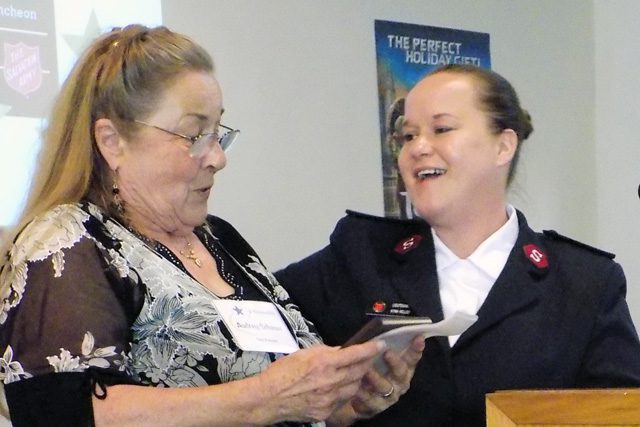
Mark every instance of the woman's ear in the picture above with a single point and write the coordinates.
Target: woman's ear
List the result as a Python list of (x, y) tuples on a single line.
[(109, 143), (508, 144)]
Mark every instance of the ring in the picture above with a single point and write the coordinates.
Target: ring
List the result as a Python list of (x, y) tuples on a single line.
[(389, 393)]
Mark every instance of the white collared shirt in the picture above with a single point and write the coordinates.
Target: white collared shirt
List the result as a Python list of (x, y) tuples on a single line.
[(465, 283)]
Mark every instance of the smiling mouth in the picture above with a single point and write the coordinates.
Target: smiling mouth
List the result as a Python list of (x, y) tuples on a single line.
[(431, 173)]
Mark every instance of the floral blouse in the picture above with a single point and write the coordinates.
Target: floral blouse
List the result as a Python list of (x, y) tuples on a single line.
[(87, 303)]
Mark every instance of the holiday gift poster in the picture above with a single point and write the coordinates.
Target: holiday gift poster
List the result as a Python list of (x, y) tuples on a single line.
[(404, 54)]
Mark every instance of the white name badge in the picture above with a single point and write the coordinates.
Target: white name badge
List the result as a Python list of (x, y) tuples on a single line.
[(256, 326)]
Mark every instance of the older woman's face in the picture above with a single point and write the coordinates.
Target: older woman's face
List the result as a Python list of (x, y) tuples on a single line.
[(158, 179), (450, 161)]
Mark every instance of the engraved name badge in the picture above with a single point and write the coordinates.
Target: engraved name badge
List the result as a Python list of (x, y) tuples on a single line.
[(256, 326)]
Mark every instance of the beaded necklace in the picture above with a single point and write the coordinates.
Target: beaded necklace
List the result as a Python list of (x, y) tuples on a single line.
[(189, 253)]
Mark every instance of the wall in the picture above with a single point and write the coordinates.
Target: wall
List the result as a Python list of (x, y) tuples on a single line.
[(299, 79), (617, 150)]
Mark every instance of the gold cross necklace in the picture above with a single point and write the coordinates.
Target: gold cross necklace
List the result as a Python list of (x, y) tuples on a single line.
[(189, 253)]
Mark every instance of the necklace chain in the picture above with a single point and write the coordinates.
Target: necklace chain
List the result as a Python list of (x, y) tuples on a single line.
[(153, 244), (189, 253)]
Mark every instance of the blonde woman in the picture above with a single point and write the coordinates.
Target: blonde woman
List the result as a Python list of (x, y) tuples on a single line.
[(124, 302)]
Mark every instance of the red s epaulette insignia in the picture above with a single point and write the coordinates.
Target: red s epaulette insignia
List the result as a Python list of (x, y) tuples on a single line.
[(535, 255), (408, 244)]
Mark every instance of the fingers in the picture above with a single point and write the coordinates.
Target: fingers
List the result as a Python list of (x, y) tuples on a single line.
[(376, 394), (401, 367), (398, 365), (344, 369), (414, 353), (311, 383), (399, 373), (337, 369), (378, 385), (401, 363), (343, 392), (360, 352), (352, 363)]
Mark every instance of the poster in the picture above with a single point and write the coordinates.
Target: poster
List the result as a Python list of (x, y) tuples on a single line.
[(404, 54), (40, 40)]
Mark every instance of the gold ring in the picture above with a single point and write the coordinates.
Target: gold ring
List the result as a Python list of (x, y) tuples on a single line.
[(389, 393)]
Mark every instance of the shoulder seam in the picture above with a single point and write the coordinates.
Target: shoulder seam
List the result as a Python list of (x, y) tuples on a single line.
[(554, 235)]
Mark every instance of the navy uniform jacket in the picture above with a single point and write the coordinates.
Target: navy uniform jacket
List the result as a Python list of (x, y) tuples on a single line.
[(555, 318)]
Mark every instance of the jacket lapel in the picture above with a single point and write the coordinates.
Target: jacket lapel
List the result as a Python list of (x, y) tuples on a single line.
[(518, 285), (417, 280)]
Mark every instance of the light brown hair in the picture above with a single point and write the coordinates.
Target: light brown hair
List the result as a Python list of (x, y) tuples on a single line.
[(499, 100), (120, 76)]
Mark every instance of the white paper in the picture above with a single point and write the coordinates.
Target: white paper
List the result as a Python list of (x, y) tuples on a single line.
[(399, 339)]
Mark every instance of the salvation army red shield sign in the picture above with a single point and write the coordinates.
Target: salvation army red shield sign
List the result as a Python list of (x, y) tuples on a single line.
[(22, 70)]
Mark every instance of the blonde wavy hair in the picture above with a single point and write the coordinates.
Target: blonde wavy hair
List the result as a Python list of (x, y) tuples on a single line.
[(120, 76)]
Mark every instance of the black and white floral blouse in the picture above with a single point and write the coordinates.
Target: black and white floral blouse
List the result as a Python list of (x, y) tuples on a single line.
[(87, 303)]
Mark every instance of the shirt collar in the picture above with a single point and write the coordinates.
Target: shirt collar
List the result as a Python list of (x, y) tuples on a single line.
[(491, 255)]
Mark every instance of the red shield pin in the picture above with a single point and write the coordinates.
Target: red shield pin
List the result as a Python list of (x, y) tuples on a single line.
[(536, 256), (408, 244)]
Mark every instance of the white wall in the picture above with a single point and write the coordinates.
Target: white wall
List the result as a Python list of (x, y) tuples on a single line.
[(299, 78), (618, 149)]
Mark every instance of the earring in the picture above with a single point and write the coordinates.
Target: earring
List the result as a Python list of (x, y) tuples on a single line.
[(117, 201)]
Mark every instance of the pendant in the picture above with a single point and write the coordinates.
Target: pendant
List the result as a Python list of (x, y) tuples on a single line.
[(191, 254)]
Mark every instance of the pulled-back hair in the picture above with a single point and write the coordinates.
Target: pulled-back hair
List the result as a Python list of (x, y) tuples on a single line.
[(500, 101), (120, 76)]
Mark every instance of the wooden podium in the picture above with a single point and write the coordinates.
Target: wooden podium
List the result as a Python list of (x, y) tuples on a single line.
[(594, 407)]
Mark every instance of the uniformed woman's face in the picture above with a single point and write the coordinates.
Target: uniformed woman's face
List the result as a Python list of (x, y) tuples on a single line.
[(451, 160)]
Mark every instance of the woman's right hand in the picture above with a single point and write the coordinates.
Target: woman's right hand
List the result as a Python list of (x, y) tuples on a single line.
[(310, 384), (307, 385)]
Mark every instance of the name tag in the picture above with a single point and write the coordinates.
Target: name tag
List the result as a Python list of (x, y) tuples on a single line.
[(256, 326)]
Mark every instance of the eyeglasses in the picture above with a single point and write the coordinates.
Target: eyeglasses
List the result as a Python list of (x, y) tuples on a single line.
[(201, 143)]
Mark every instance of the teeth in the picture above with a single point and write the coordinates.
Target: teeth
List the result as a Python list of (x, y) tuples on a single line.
[(425, 173)]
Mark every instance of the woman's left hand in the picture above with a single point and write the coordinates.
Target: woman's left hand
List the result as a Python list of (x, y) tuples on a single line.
[(378, 392)]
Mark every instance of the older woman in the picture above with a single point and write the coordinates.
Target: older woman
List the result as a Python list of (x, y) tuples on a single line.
[(551, 311), (118, 278)]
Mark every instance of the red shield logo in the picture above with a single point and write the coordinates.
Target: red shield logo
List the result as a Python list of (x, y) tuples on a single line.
[(22, 70), (536, 256), (408, 244)]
